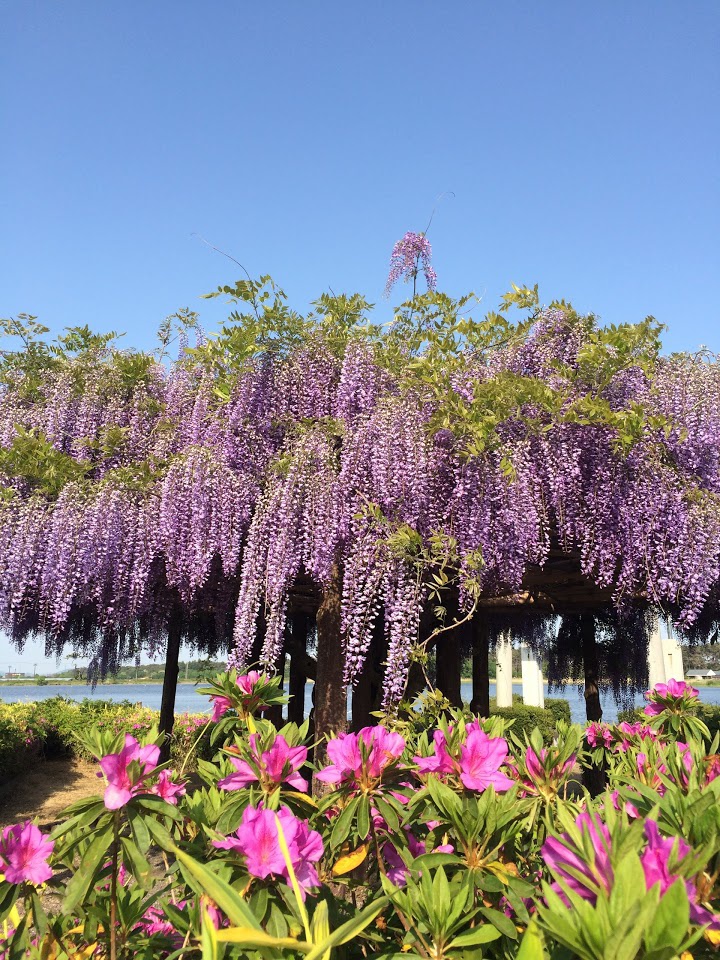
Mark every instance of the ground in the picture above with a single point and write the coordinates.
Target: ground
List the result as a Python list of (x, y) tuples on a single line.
[(46, 789)]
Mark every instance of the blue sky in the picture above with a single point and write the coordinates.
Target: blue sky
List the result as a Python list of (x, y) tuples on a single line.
[(580, 143)]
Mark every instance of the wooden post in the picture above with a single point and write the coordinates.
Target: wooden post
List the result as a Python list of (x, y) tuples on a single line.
[(298, 675), (172, 667), (448, 666), (480, 703), (366, 692), (330, 694)]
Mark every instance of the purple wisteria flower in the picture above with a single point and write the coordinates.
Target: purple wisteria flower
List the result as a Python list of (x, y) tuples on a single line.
[(409, 256)]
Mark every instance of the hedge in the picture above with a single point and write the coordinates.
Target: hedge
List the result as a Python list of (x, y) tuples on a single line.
[(47, 730)]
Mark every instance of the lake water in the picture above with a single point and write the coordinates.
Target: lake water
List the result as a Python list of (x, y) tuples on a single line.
[(188, 700)]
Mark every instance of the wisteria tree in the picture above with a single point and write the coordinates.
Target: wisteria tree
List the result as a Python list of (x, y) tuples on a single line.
[(396, 484)]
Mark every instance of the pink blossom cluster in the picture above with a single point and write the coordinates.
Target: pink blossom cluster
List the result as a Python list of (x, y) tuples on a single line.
[(477, 763), (674, 695), (24, 854), (587, 875), (128, 771), (279, 763), (360, 760), (257, 840)]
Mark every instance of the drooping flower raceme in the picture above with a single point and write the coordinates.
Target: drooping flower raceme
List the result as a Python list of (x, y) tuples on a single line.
[(408, 256), (24, 852), (278, 764), (126, 771), (359, 760), (257, 839)]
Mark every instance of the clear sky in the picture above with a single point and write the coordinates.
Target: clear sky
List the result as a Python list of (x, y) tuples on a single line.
[(580, 143)]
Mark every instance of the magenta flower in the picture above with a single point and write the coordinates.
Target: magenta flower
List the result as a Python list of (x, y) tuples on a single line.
[(257, 840), (656, 863), (673, 695), (24, 852), (480, 760), (125, 771), (360, 759), (440, 761), (221, 705), (395, 868), (165, 788), (568, 860), (599, 734), (639, 729), (279, 764)]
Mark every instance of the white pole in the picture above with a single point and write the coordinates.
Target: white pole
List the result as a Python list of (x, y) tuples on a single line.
[(503, 681), (656, 660), (532, 690)]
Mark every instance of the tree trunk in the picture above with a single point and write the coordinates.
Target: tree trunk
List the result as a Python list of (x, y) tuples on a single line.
[(330, 694), (594, 776), (593, 708), (480, 669), (448, 666), (167, 705)]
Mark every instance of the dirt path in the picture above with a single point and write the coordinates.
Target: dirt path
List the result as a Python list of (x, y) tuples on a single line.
[(46, 789)]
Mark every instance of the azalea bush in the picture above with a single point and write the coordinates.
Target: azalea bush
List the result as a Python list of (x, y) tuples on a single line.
[(472, 839)]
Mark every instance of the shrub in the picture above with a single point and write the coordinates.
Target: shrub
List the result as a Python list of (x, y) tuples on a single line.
[(527, 718)]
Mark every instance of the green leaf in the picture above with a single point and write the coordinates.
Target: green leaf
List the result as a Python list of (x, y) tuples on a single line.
[(341, 827), (531, 945), (220, 892), (485, 933), (78, 887), (350, 929)]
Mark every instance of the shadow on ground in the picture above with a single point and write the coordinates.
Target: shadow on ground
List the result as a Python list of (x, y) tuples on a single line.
[(44, 790)]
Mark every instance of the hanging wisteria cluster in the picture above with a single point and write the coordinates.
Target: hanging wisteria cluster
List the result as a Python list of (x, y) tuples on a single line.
[(136, 493)]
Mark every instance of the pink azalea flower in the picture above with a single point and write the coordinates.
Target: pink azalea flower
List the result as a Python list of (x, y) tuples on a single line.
[(584, 878), (165, 788), (480, 760), (664, 695), (279, 764), (712, 767), (599, 734), (440, 761), (123, 780), (655, 860), (395, 868), (249, 681), (257, 840), (221, 705), (360, 759), (24, 853), (630, 809)]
